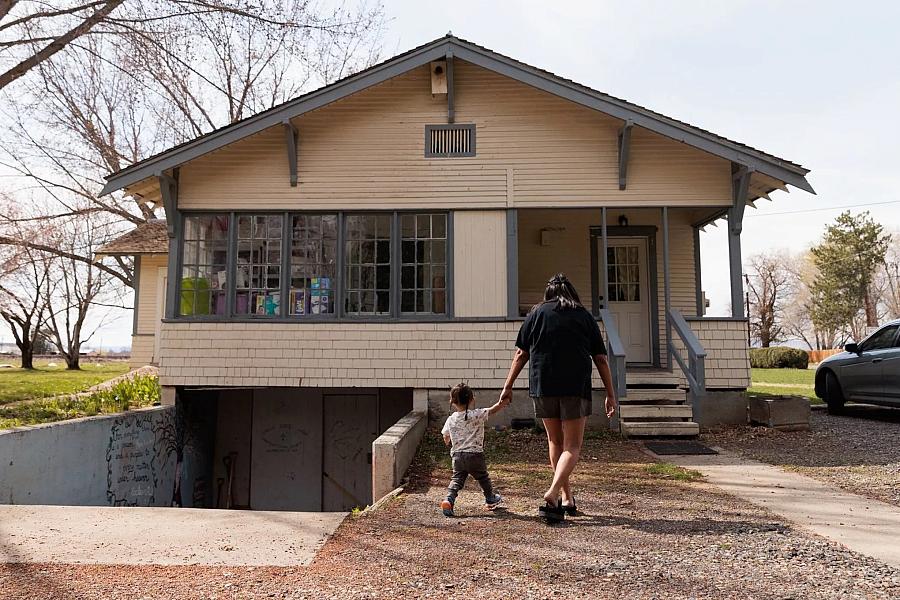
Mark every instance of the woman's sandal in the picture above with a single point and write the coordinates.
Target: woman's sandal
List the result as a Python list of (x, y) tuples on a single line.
[(570, 509), (552, 513)]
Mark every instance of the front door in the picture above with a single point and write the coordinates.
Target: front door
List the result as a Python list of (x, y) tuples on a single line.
[(629, 295)]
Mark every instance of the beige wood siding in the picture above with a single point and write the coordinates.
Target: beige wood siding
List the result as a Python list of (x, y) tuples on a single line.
[(416, 355), (479, 263), (147, 307), (533, 149), (141, 350)]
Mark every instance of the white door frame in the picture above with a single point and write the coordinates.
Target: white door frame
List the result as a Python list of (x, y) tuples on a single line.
[(647, 232)]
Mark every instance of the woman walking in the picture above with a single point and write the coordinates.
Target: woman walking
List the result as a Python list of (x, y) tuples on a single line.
[(562, 340)]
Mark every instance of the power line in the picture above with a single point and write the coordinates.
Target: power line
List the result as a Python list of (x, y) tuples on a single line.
[(809, 210)]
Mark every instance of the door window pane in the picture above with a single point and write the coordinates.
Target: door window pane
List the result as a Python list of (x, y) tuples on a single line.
[(624, 273), (258, 263), (203, 281), (368, 264), (313, 265), (423, 274)]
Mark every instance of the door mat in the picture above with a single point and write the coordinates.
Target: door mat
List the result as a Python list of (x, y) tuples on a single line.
[(685, 447)]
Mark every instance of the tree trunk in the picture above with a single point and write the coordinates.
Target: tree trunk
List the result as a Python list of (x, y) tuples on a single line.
[(27, 356), (871, 316), (73, 362)]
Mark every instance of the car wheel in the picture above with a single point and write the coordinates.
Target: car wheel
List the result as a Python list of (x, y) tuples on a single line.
[(834, 397)]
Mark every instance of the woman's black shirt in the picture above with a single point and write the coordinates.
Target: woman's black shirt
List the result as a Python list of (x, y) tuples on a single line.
[(560, 343)]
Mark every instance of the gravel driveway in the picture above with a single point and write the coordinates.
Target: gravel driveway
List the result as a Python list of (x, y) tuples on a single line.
[(642, 535), (859, 452)]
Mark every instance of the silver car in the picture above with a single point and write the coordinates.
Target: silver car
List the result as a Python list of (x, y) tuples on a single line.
[(865, 372)]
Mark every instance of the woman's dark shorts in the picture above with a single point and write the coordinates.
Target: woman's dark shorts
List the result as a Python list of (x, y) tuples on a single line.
[(561, 407)]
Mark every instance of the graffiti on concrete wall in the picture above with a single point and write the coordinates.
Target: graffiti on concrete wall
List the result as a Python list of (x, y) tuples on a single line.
[(138, 469)]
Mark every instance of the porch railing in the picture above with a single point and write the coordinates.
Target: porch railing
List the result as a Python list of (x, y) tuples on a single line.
[(695, 368), (616, 352)]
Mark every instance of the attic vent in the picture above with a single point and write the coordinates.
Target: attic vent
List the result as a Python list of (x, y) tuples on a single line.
[(448, 141)]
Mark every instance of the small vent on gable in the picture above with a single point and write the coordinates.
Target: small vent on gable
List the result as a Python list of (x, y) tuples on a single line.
[(449, 141)]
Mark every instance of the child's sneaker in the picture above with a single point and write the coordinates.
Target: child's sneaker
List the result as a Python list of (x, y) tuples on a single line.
[(447, 507), (492, 503)]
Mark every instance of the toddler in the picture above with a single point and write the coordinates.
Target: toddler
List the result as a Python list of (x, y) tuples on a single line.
[(464, 430)]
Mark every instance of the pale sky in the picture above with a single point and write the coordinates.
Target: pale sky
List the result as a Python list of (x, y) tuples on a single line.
[(814, 82)]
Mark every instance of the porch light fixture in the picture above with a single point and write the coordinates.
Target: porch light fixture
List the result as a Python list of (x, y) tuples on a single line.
[(623, 221)]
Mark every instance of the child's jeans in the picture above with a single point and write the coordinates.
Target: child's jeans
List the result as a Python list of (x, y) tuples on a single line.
[(465, 464)]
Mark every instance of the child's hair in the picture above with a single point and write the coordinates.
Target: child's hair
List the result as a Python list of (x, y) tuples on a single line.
[(461, 395), (560, 289)]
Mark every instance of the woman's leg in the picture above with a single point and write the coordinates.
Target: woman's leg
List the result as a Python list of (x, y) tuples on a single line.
[(555, 445), (573, 436)]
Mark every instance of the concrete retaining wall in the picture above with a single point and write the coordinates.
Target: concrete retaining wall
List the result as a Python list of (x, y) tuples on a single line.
[(393, 452), (127, 459)]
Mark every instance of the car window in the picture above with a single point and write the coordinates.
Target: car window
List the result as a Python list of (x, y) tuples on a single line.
[(881, 339)]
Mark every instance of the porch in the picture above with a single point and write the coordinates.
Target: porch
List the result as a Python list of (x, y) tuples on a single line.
[(638, 271)]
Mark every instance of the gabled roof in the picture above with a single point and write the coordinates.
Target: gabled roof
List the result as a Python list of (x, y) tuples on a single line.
[(147, 238), (779, 168)]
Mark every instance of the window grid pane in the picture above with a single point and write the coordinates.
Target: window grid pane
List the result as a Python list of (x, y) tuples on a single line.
[(313, 264), (423, 256), (368, 264), (258, 280), (623, 273), (202, 285)]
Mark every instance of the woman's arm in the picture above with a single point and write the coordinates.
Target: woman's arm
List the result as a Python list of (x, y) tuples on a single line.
[(518, 363), (606, 375)]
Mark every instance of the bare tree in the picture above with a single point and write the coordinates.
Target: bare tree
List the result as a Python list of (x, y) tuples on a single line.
[(798, 321), (769, 286), (75, 288), (24, 275), (155, 75)]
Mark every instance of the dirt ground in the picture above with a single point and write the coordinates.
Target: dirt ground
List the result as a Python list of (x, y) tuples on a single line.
[(858, 451), (641, 534)]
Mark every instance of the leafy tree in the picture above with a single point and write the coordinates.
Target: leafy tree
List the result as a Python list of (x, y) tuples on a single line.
[(846, 260)]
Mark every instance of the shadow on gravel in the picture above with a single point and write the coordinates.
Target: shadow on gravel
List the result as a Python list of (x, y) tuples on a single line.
[(656, 526), (871, 412)]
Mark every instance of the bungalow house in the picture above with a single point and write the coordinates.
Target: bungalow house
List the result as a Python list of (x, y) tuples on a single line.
[(331, 263)]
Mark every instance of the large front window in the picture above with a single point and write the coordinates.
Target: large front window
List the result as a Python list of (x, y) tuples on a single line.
[(258, 275), (323, 265), (204, 266), (368, 260)]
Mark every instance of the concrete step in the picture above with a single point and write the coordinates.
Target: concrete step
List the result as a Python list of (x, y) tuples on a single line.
[(655, 411), (661, 428)]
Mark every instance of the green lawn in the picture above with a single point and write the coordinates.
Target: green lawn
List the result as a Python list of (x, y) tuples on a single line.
[(797, 382), (46, 381)]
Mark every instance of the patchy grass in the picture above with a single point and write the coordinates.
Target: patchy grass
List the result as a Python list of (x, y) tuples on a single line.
[(138, 392), (783, 376), (781, 382), (46, 381), (666, 470)]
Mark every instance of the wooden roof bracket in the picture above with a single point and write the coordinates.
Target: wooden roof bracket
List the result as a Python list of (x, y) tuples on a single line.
[(740, 183), (451, 109), (291, 135), (624, 148), (168, 189)]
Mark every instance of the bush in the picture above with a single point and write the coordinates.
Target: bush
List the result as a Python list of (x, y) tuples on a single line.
[(778, 358)]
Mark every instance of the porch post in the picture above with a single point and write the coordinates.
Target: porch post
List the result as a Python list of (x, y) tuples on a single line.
[(667, 293), (512, 263), (168, 187), (740, 185), (604, 269), (698, 280)]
